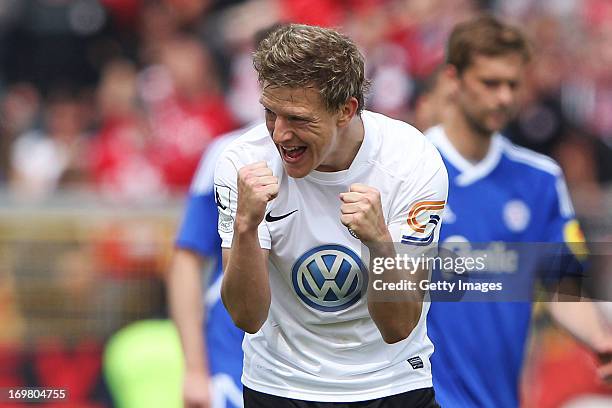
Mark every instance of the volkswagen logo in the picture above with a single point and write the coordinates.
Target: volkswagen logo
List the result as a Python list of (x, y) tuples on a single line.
[(329, 278)]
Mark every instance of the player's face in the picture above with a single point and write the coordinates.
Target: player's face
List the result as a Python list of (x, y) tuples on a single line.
[(305, 133), (488, 91)]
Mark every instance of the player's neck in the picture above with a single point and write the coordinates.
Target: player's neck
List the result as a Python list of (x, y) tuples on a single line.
[(348, 146), (468, 142)]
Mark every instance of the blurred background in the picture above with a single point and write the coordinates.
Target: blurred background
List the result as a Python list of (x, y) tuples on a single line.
[(107, 105)]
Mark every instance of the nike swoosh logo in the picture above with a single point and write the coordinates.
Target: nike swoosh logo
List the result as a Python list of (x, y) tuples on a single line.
[(271, 218)]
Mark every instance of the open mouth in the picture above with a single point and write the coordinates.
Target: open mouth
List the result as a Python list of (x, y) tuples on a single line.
[(292, 154)]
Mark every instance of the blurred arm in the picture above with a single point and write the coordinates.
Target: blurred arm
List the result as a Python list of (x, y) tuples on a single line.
[(187, 312), (584, 321)]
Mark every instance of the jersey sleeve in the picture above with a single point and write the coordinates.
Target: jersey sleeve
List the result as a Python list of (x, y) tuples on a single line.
[(560, 210), (226, 197), (416, 216), (562, 234), (198, 231)]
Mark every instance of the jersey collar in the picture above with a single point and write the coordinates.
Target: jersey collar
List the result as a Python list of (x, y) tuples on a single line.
[(469, 173)]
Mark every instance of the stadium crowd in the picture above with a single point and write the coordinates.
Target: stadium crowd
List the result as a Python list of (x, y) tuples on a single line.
[(123, 96)]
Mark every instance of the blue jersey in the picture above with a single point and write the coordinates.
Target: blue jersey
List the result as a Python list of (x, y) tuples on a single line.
[(513, 195), (198, 233)]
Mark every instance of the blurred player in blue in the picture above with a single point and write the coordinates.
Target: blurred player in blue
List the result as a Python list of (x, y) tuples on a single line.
[(497, 192), (213, 353), (213, 356)]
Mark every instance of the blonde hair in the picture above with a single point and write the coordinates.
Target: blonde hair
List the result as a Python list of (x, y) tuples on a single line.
[(296, 56)]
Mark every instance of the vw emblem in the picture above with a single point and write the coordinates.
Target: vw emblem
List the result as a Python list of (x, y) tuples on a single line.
[(329, 278)]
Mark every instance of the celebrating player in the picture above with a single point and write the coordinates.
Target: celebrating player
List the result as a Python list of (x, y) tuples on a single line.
[(497, 192), (301, 200)]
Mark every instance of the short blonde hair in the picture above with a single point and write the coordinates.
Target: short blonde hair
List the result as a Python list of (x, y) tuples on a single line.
[(296, 56)]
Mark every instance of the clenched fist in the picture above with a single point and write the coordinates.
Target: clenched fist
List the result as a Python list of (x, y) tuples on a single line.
[(256, 186), (361, 211)]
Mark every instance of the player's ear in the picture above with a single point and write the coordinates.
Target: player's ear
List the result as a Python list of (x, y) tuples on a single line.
[(451, 76), (347, 111)]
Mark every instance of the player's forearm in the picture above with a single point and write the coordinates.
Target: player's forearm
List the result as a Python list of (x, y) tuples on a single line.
[(395, 314), (184, 293), (582, 320), (395, 320), (246, 288)]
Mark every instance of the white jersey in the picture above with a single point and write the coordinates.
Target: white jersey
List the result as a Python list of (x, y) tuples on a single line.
[(319, 342)]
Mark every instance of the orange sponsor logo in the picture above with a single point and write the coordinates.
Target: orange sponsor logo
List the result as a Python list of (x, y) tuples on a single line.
[(419, 208)]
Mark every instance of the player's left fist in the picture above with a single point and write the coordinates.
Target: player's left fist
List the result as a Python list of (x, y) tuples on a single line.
[(361, 212)]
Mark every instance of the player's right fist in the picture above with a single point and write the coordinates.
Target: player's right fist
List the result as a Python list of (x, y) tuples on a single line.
[(256, 186)]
